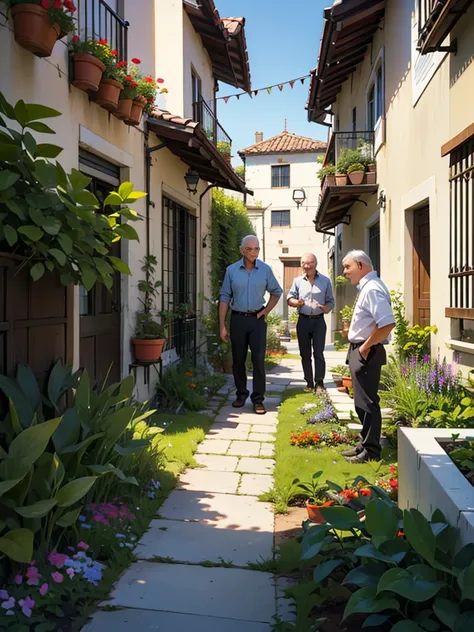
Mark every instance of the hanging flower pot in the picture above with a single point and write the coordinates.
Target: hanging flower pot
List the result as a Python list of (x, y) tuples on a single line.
[(137, 110), (148, 350), (33, 29), (124, 109), (87, 72), (108, 94)]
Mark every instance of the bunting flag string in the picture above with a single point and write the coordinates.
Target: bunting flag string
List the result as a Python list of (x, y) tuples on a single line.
[(253, 93)]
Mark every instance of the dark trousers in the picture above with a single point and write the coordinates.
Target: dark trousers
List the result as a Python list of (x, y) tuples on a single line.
[(245, 332), (365, 382), (311, 334)]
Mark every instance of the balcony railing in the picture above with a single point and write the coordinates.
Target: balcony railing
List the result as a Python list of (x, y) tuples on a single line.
[(426, 10), (97, 20), (214, 131), (340, 141)]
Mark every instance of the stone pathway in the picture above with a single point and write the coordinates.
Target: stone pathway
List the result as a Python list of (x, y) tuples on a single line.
[(191, 570)]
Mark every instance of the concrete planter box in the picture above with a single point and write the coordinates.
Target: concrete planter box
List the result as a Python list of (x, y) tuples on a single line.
[(429, 480)]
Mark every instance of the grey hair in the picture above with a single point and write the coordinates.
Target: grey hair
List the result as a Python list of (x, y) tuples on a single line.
[(248, 238), (359, 256)]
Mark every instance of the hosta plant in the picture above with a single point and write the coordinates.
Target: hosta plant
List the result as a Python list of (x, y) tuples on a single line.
[(49, 218)]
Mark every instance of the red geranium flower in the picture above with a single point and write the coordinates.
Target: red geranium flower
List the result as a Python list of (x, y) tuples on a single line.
[(103, 42), (57, 4), (45, 4), (364, 492), (76, 38), (160, 81), (149, 79), (133, 84), (114, 53), (393, 483), (135, 60), (129, 78)]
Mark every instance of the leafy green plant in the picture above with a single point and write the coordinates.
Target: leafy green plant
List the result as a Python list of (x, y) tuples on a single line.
[(347, 158), (327, 170), (418, 340), (313, 491), (341, 281), (48, 217), (181, 386), (147, 327), (346, 313), (402, 325), (223, 147), (460, 416), (357, 166), (342, 369)]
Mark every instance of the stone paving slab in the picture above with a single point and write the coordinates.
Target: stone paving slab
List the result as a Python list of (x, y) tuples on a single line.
[(354, 426), (196, 542), (251, 465), (244, 448), (217, 463), (151, 621), (268, 427), (267, 449), (270, 419), (223, 511), (276, 388), (255, 484), (221, 592), (213, 446), (208, 481), (220, 432), (260, 436)]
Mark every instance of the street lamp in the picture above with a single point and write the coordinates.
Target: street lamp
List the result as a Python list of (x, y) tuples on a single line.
[(192, 181), (299, 196)]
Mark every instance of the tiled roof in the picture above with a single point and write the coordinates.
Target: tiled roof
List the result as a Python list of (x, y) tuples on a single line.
[(285, 143), (173, 118)]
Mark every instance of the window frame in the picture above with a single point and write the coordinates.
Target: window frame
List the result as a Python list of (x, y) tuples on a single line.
[(280, 212), (375, 105), (280, 186)]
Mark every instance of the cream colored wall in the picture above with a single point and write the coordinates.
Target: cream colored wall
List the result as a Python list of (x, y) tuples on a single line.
[(169, 52), (410, 168), (195, 57)]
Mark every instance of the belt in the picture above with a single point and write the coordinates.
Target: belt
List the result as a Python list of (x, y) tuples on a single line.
[(311, 315), (247, 313)]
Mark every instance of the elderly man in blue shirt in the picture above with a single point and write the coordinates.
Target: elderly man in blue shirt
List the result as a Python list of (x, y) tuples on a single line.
[(312, 296), (372, 322), (245, 284)]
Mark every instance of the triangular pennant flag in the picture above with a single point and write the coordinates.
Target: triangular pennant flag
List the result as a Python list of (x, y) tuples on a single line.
[(292, 83), (226, 99), (280, 86), (255, 92), (302, 80), (269, 90)]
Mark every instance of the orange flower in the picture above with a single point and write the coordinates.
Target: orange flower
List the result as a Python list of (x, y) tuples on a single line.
[(192, 385), (188, 373), (364, 492)]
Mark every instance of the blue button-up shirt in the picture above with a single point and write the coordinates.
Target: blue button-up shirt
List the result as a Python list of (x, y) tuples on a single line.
[(317, 293), (245, 291), (373, 308)]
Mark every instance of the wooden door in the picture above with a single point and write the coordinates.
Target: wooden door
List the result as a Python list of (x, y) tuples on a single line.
[(291, 269), (100, 335), (421, 267)]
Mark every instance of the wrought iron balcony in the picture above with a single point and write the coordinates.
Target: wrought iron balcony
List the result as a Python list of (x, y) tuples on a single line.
[(214, 131), (436, 18), (97, 20), (341, 141)]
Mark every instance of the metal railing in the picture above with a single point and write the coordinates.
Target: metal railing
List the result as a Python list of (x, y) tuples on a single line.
[(426, 10), (341, 141), (214, 131), (97, 20)]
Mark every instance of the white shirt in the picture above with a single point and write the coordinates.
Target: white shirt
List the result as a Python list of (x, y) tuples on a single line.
[(373, 308)]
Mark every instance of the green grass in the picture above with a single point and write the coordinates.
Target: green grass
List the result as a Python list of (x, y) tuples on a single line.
[(294, 462), (291, 356)]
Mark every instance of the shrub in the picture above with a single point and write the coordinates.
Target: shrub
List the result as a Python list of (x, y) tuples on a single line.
[(347, 158), (357, 166), (327, 170)]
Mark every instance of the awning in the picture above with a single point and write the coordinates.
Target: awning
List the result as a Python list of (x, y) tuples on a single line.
[(224, 40), (186, 139), (439, 23), (348, 29), (336, 203)]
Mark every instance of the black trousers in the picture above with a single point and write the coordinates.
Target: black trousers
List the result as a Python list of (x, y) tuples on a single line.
[(366, 382), (311, 334), (245, 332)]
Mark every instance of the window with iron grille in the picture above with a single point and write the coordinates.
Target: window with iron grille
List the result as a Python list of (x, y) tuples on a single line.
[(280, 176), (280, 218), (179, 274), (461, 267), (374, 245)]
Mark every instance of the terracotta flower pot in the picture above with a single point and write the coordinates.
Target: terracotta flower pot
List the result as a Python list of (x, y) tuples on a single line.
[(372, 167), (345, 327), (341, 179), (227, 365), (108, 94), (136, 112), (371, 177), (314, 511), (124, 109), (337, 379), (148, 350), (347, 382), (356, 177), (33, 29), (331, 181), (87, 72)]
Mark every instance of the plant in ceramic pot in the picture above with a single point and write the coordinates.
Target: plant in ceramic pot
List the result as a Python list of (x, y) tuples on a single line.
[(129, 76), (327, 175), (38, 24), (316, 497), (150, 335), (88, 67), (356, 173), (224, 149), (149, 88), (346, 159), (111, 84)]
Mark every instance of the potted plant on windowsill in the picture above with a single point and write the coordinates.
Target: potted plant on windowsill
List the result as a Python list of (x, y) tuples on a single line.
[(316, 497), (38, 24), (356, 173), (111, 84), (327, 175), (150, 335), (88, 68)]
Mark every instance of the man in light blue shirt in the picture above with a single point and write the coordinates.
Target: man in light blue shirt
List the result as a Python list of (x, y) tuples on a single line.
[(312, 296), (372, 322), (243, 290)]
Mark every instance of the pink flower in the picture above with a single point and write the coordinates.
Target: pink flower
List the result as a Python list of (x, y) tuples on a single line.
[(26, 606), (57, 559), (70, 573), (43, 589), (83, 546), (19, 579), (57, 577), (33, 576)]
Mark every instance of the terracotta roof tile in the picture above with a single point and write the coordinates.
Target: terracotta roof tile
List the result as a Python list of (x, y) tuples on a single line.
[(173, 118), (285, 143)]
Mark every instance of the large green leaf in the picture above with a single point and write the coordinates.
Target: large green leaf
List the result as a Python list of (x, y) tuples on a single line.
[(68, 431), (341, 518), (375, 620), (36, 111), (365, 576), (28, 446), (38, 510), (10, 235), (419, 534), (29, 385), (417, 583), (58, 255), (114, 425), (120, 265), (34, 233), (325, 569), (125, 190), (464, 557), (52, 225), (407, 626), (78, 180), (18, 545), (394, 556), (6, 486), (66, 243), (9, 151), (57, 383), (127, 232), (447, 611), (47, 150), (108, 468), (23, 407), (46, 174), (89, 277), (134, 196), (313, 541), (113, 199), (74, 491), (132, 447), (381, 521), (7, 179), (42, 128), (37, 271), (83, 392), (69, 518), (365, 600), (466, 582)]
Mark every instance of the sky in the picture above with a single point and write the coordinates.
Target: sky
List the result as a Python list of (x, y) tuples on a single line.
[(283, 43)]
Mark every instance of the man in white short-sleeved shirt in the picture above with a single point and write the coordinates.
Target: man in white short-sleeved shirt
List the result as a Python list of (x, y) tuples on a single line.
[(372, 322)]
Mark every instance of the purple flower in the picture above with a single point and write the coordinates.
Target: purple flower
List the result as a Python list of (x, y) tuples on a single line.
[(26, 606), (8, 604), (19, 579), (4, 594), (43, 589)]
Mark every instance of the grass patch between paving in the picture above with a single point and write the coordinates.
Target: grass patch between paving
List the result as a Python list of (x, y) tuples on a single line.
[(296, 462)]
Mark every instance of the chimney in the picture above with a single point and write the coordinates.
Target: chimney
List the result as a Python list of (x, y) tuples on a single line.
[(258, 137)]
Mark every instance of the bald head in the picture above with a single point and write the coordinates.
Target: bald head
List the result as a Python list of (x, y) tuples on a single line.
[(309, 263)]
